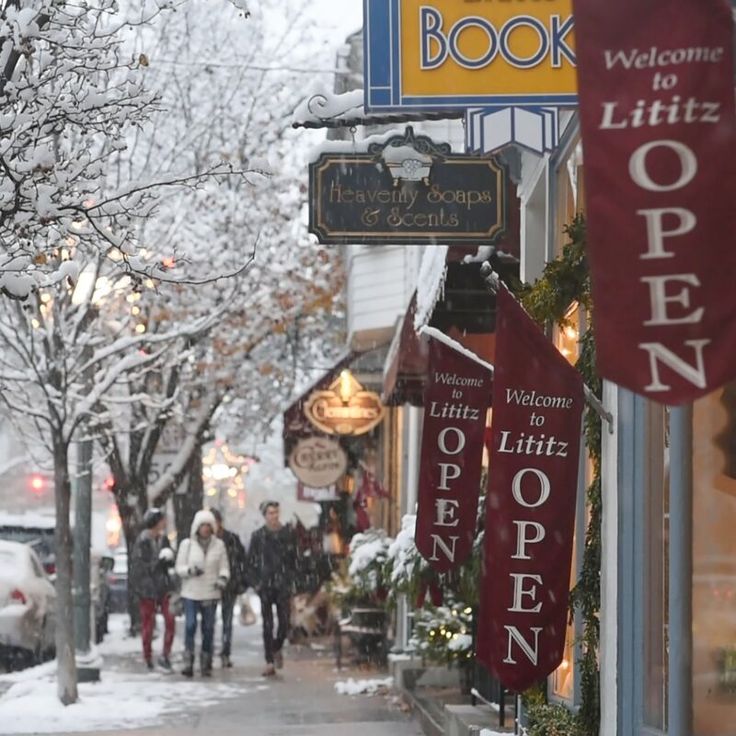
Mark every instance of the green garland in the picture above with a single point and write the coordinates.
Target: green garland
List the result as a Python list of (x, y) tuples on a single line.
[(565, 281)]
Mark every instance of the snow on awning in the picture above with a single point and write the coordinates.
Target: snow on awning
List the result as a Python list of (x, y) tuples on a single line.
[(326, 109), (430, 284), (406, 364)]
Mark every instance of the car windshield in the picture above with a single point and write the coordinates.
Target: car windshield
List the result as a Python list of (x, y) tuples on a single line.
[(120, 565), (10, 561)]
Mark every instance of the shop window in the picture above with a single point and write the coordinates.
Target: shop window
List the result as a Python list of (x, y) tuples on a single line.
[(714, 564), (562, 682), (569, 194), (643, 491)]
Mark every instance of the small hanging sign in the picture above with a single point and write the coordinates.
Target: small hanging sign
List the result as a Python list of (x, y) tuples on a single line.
[(408, 190)]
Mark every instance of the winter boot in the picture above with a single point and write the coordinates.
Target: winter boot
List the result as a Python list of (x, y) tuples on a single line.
[(188, 670), (226, 661), (205, 663)]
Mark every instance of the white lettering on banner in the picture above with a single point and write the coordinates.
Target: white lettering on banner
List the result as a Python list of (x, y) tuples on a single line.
[(638, 168), (660, 299), (518, 579), (520, 592), (531, 444), (458, 410), (448, 472), (449, 552), (452, 379), (654, 57), (657, 351), (544, 487), (659, 112), (522, 540), (532, 398), (531, 652), (436, 46), (442, 442), (656, 234), (446, 510)]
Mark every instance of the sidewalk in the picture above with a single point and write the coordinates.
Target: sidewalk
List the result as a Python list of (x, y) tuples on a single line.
[(301, 701)]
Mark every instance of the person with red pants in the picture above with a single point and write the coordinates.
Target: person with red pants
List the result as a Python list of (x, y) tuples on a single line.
[(152, 558)]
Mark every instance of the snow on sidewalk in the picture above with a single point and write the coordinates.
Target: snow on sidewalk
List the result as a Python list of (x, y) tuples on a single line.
[(363, 687), (121, 700), (118, 701)]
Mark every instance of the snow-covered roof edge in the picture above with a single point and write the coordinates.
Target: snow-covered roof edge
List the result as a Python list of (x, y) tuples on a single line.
[(455, 345), (358, 146), (430, 283)]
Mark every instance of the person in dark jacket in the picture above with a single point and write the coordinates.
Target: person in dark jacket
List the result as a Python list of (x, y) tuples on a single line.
[(236, 584), (152, 560), (271, 566)]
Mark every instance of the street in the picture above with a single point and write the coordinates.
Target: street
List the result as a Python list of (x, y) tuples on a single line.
[(301, 700)]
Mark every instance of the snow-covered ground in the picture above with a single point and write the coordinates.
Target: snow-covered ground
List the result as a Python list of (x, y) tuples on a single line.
[(118, 701), (121, 700), (363, 687)]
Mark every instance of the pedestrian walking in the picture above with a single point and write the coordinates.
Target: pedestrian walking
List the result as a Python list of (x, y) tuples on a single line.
[(202, 565), (236, 585), (271, 566), (151, 562)]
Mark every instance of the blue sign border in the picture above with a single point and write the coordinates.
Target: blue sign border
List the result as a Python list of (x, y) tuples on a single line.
[(382, 71)]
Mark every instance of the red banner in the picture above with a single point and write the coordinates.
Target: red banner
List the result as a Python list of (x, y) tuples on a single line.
[(456, 399), (659, 135), (530, 506)]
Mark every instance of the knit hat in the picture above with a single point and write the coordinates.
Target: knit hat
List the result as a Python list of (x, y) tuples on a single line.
[(152, 518)]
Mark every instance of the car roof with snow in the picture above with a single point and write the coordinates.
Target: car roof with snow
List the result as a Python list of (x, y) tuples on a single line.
[(27, 520)]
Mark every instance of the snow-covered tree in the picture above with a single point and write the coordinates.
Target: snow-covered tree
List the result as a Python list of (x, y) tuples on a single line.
[(227, 86), (133, 175)]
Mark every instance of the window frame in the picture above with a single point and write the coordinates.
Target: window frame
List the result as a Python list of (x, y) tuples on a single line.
[(633, 467)]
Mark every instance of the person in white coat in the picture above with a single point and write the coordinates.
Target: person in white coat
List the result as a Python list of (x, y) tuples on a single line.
[(202, 565)]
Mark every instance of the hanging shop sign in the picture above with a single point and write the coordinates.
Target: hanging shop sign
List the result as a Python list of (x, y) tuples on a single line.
[(305, 492), (530, 504), (318, 461), (456, 402), (659, 135), (492, 128), (406, 190), (448, 54), (345, 408)]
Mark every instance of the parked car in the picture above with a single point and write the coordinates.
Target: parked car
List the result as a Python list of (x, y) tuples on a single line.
[(117, 583), (27, 606), (34, 529), (37, 531)]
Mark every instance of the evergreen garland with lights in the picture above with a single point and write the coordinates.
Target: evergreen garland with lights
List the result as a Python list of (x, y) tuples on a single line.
[(564, 282), (443, 634)]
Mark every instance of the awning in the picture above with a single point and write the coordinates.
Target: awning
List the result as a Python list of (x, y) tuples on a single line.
[(406, 364)]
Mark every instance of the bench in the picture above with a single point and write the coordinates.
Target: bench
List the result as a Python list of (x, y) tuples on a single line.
[(366, 630)]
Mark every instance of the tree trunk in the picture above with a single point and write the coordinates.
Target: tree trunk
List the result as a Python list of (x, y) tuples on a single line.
[(66, 664), (187, 504), (130, 518), (131, 510)]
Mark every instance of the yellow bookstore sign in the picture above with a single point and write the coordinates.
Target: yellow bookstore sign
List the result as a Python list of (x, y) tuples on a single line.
[(458, 54)]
